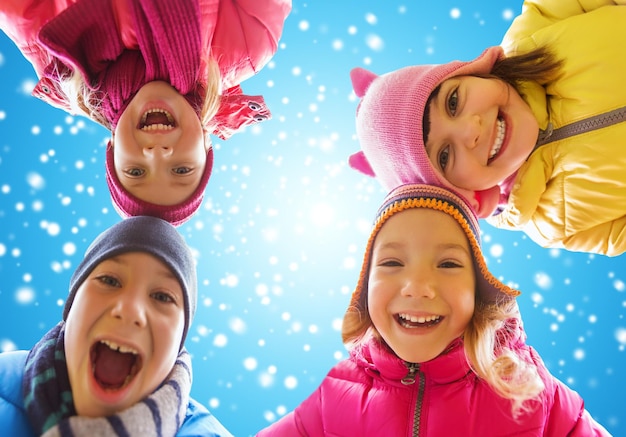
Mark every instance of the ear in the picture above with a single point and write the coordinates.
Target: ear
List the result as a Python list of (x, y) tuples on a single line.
[(361, 80), (359, 162)]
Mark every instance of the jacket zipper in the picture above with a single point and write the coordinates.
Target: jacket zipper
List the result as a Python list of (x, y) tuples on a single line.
[(414, 372), (585, 125)]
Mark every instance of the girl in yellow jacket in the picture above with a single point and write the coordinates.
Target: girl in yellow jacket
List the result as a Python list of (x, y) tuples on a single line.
[(531, 132)]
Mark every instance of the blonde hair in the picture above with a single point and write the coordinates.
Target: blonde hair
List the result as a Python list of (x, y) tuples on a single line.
[(82, 100), (511, 375)]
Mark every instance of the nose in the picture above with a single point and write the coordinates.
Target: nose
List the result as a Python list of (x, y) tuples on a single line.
[(157, 150), (469, 131), (418, 284), (130, 308)]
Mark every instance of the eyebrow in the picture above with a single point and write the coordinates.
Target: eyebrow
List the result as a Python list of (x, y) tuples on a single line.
[(440, 246)]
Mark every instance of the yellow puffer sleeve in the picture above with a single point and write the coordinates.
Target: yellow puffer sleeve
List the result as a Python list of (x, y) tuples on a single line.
[(537, 14)]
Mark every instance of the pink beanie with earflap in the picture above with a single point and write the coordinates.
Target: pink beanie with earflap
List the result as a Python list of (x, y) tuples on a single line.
[(128, 205), (389, 125)]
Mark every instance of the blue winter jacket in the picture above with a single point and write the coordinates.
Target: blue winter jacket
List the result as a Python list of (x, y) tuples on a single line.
[(14, 421)]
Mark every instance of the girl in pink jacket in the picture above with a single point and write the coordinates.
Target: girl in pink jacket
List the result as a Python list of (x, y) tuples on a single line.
[(160, 75), (436, 341)]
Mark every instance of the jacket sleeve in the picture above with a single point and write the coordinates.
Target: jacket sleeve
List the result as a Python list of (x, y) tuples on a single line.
[(200, 422), (568, 416), (13, 415), (21, 20), (246, 36), (606, 238), (564, 408), (537, 14), (305, 420)]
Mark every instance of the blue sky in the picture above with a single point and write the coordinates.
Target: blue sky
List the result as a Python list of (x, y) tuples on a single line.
[(280, 237)]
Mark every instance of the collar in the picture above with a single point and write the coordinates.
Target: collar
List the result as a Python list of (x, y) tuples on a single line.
[(378, 359)]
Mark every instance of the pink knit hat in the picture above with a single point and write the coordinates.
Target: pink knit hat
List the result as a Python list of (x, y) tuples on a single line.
[(390, 128), (128, 205)]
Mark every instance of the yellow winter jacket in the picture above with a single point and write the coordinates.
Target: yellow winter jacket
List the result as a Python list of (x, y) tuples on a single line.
[(572, 193)]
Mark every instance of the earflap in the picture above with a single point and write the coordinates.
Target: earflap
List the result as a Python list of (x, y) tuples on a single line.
[(361, 80), (486, 201), (359, 162)]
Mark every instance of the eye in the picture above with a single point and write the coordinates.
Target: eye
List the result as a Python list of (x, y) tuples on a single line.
[(390, 263), (108, 281), (453, 102), (135, 172), (450, 265), (162, 297), (444, 156), (181, 170)]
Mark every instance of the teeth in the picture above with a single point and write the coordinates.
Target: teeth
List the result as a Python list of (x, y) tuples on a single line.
[(421, 319), (499, 138), (159, 126), (119, 347)]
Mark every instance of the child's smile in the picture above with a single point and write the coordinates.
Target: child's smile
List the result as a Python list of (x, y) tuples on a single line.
[(418, 322), (114, 365), (123, 333), (481, 132), (421, 285)]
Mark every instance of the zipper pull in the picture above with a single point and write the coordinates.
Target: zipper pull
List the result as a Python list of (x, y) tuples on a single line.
[(544, 135), (410, 377)]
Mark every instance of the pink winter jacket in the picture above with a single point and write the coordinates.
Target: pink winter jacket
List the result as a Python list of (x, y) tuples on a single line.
[(365, 396), (242, 35)]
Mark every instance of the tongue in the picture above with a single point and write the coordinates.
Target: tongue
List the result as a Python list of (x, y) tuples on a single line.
[(112, 367), (156, 118)]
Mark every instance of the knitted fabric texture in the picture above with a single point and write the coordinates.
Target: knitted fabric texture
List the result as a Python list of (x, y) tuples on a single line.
[(50, 406), (389, 119), (128, 205), (405, 197), (142, 234), (95, 48)]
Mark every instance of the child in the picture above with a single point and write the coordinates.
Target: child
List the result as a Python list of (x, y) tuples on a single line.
[(151, 71), (436, 342), (493, 128), (115, 364)]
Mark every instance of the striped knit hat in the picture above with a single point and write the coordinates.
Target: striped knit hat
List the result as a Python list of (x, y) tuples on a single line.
[(405, 197)]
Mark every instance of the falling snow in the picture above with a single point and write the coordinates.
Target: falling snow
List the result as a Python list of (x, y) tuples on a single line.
[(280, 237)]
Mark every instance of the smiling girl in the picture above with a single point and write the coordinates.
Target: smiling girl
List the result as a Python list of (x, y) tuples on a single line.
[(531, 132), (162, 76), (436, 341)]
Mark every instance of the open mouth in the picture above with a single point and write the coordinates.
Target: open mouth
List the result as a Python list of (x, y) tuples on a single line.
[(156, 120), (497, 145), (409, 321), (114, 366)]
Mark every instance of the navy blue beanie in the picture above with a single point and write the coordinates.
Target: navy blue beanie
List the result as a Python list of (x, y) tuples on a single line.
[(142, 234)]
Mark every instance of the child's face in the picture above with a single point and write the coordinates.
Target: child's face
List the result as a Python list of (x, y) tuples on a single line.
[(159, 156), (131, 302), (481, 132), (421, 283)]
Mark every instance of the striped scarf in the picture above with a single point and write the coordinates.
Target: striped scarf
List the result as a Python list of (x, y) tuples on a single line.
[(50, 407)]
